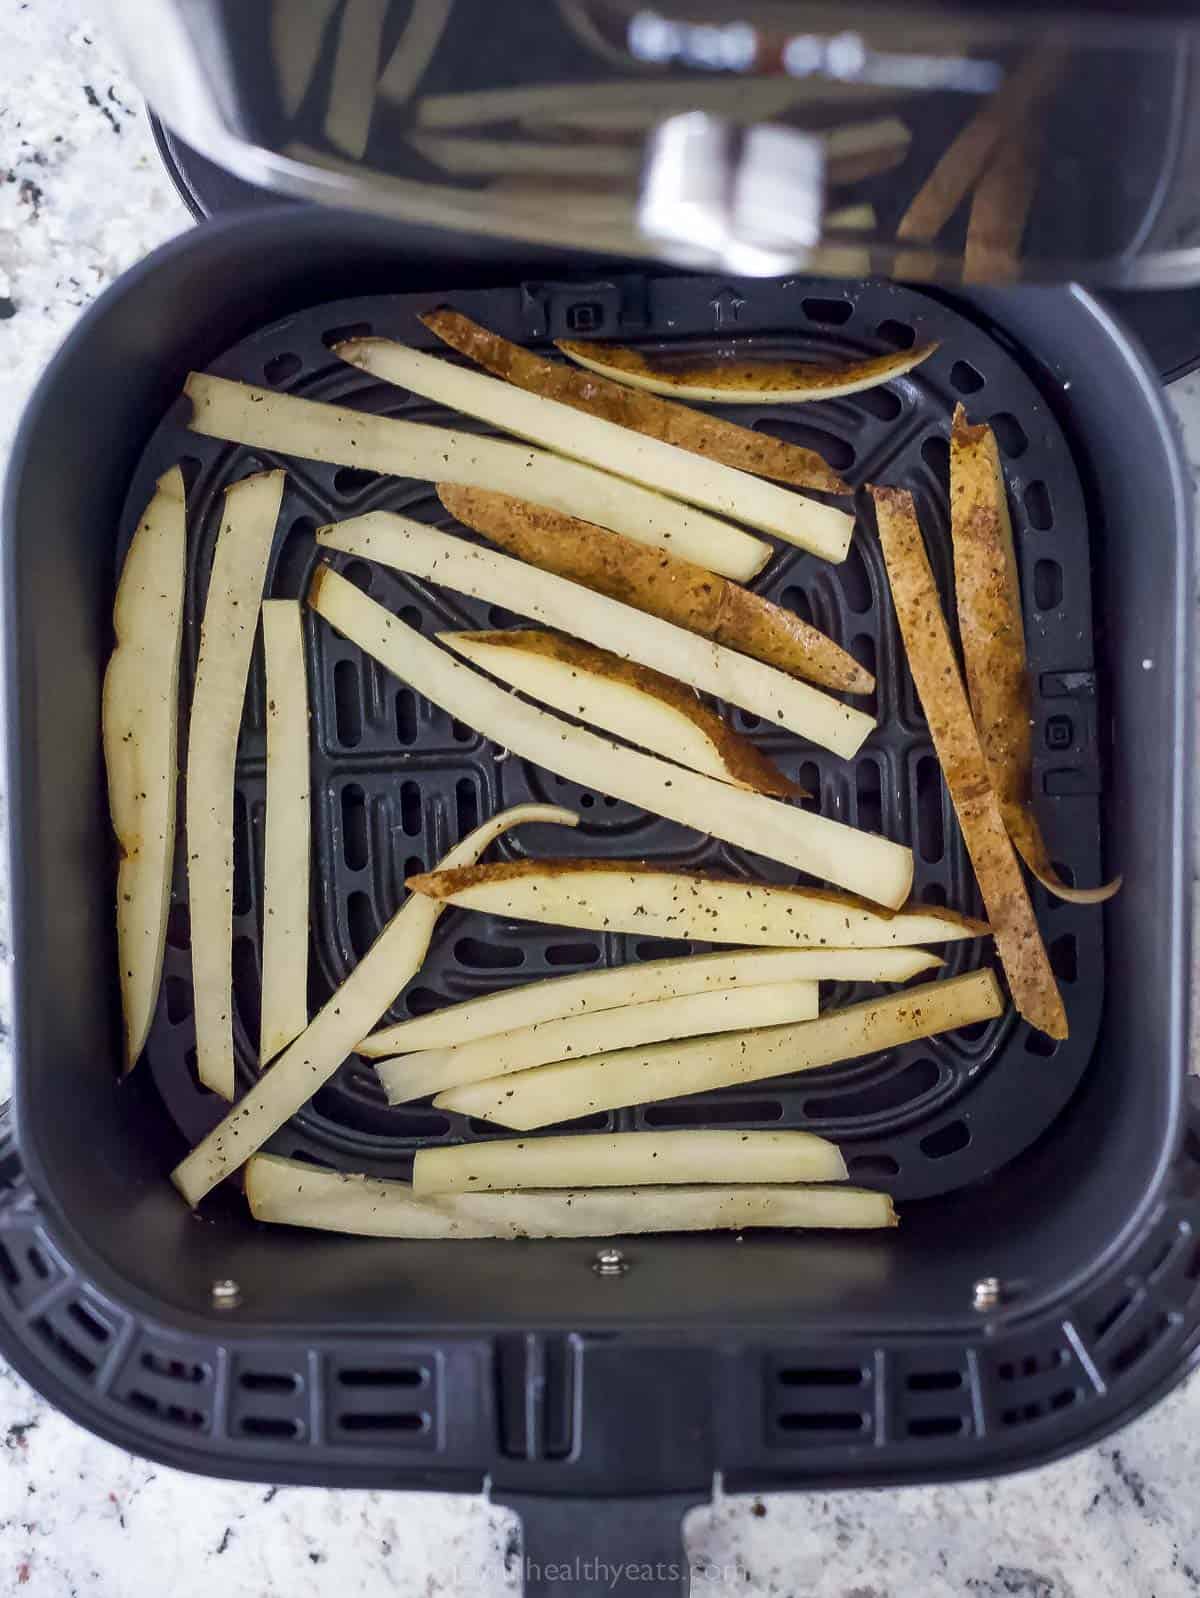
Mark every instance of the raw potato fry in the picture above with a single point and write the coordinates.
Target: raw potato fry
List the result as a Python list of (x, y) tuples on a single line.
[(864, 149), (294, 1194), (627, 1159), (851, 219), (617, 106), (990, 624), (662, 585), (415, 1076), (559, 1092), (287, 849), (781, 701), (554, 998), (140, 719), (695, 431), (492, 157), (821, 529), (292, 426), (642, 706), (827, 849), (743, 382), (355, 70), (414, 49), (296, 35), (1000, 209), (659, 902), (964, 766), (235, 588), (936, 201), (307, 1064)]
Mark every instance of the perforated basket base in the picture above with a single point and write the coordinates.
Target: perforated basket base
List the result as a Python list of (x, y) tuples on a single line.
[(396, 783)]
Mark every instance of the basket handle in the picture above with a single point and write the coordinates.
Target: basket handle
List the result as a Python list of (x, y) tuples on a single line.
[(604, 1547)]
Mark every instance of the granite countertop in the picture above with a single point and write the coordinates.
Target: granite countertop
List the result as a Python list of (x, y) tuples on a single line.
[(82, 197)]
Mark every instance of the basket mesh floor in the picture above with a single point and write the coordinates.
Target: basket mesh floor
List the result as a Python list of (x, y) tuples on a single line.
[(396, 782)]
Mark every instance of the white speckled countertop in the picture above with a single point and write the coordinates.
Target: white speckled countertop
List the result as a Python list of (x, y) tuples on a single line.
[(82, 197)]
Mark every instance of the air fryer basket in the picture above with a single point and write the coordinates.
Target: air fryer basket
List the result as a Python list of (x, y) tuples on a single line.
[(776, 1360)]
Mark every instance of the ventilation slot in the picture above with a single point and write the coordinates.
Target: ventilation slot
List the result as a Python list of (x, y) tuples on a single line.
[(175, 1370), (352, 480), (722, 1112), (360, 923), (902, 1087), (1038, 1043), (424, 1001), (1038, 508), (797, 601), (836, 451), (64, 1347), (935, 452), (830, 1420), (815, 1402), (355, 849), (406, 717), (870, 1167), (854, 580), (478, 956), (178, 996), (934, 1381), (1047, 585), (870, 797), (1010, 435), (380, 1377), (879, 402), (243, 865), (572, 954), (898, 334), (1110, 1318), (937, 1426), (270, 1426), (170, 1414), (1135, 1348), (466, 804), (947, 1140), (179, 929), (964, 379), (662, 948), (269, 1382), (347, 704), (399, 1421), (830, 313), (931, 833), (1063, 959), (410, 808), (823, 1376), (281, 367)]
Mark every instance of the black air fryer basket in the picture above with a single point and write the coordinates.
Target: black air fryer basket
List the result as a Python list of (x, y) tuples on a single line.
[(1045, 1283)]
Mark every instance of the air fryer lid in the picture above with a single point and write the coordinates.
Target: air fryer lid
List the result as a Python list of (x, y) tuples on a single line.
[(548, 123)]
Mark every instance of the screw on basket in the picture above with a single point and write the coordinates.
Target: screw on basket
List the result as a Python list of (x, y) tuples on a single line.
[(988, 1293), (226, 1294), (610, 1262)]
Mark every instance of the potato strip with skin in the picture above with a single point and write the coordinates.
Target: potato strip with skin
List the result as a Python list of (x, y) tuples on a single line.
[(702, 434), (627, 1159), (289, 425), (235, 588), (293, 1194), (140, 719), (583, 436), (307, 1064), (415, 1076), (560, 1092), (287, 847), (829, 850), (421, 551), (742, 382), (641, 706), (990, 624), (656, 901), (660, 584), (964, 766), (554, 998)]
